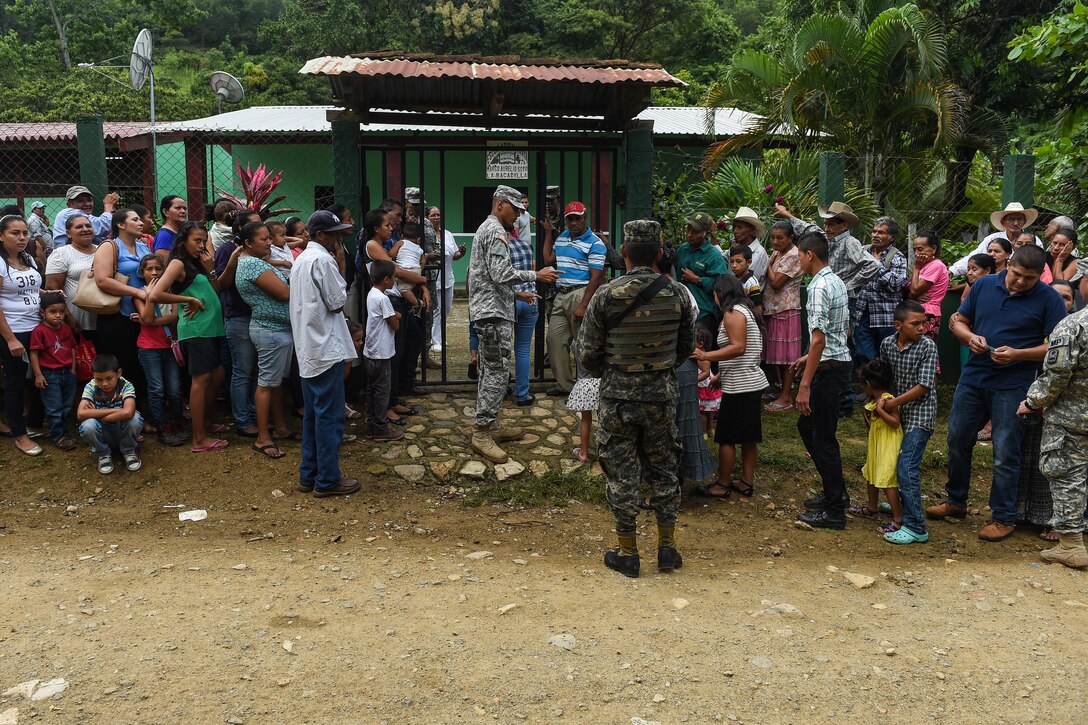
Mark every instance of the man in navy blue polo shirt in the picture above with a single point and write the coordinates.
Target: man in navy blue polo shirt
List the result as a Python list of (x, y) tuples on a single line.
[(1005, 321)]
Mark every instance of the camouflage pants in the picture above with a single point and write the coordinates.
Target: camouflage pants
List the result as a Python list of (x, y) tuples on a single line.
[(496, 342), (1063, 459), (637, 442)]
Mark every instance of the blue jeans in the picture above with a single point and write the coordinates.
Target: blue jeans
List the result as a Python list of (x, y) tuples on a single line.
[(163, 385), (103, 437), (57, 398), (322, 428), (867, 340), (907, 474), (971, 408), (243, 376), (524, 326)]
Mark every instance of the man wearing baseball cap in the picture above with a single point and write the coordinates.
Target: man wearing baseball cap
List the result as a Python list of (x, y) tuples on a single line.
[(700, 264), (322, 344), (579, 255), (80, 201), (491, 280), (38, 228)]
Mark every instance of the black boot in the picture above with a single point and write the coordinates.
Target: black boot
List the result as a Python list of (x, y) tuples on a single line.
[(824, 520), (626, 565), (817, 502), (668, 559)]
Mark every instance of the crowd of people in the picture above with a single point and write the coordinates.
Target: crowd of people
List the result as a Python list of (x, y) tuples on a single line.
[(690, 344)]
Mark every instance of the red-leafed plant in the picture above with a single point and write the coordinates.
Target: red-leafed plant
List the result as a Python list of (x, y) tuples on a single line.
[(256, 185)]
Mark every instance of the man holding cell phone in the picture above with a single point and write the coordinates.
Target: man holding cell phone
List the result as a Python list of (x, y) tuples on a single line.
[(1004, 322)]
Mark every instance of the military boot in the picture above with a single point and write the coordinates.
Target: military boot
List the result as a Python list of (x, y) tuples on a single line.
[(1069, 551), (501, 435), (484, 444), (668, 559), (626, 565)]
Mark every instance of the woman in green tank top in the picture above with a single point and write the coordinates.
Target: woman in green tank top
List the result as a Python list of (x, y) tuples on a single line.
[(189, 282)]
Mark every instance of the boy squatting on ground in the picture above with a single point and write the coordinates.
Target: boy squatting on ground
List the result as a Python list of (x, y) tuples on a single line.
[(635, 349), (107, 415)]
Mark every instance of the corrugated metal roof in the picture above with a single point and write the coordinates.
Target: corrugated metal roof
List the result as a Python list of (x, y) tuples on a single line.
[(504, 68), (62, 131), (272, 120)]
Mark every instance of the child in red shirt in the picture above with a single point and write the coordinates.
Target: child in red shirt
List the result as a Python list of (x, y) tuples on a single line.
[(52, 360)]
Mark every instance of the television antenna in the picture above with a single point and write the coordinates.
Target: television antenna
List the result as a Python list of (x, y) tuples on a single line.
[(228, 89), (141, 69)]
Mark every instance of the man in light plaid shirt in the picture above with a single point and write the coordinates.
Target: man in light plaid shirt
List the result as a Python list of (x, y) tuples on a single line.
[(875, 314), (826, 375)]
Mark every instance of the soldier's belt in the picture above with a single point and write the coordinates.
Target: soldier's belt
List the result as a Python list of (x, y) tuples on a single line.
[(562, 290)]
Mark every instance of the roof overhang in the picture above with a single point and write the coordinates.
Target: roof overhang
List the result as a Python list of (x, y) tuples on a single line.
[(491, 91)]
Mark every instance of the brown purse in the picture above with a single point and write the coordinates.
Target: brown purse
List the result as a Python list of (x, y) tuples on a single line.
[(91, 298)]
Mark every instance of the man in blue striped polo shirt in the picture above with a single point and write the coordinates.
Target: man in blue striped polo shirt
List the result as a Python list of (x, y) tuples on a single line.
[(579, 255)]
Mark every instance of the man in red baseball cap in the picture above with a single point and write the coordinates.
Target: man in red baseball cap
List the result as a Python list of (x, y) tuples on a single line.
[(579, 255)]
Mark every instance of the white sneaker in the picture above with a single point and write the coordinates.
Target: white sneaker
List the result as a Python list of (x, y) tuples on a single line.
[(132, 462), (105, 465)]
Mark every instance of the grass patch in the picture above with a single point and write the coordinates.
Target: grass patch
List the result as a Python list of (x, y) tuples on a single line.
[(552, 488)]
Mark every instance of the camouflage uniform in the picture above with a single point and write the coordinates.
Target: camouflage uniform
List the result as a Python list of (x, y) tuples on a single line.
[(491, 280), (637, 440), (1062, 389)]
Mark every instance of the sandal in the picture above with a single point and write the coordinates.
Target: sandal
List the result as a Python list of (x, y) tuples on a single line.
[(704, 490), (266, 450), (397, 421), (981, 437), (862, 511), (578, 455), (644, 504), (747, 491), (777, 407), (350, 413), (890, 527), (217, 444), (292, 436), (405, 410), (1049, 534), (217, 429), (903, 535)]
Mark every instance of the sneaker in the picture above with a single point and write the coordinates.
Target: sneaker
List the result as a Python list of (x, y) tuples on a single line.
[(996, 531), (818, 502), (500, 435), (345, 487), (307, 487), (384, 434), (168, 436), (132, 462), (557, 392), (946, 510), (1070, 552), (485, 445), (105, 464), (626, 565), (668, 559)]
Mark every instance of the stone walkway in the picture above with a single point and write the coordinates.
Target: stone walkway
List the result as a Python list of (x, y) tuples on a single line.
[(435, 446)]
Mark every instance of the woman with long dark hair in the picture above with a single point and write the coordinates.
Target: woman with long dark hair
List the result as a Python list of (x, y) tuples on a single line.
[(740, 345), (20, 284), (190, 282), (67, 264)]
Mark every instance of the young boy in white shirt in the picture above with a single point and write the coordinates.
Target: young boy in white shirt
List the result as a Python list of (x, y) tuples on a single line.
[(381, 324)]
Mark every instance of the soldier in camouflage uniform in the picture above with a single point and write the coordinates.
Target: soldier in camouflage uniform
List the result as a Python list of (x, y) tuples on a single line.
[(635, 356), (491, 280), (1062, 389)]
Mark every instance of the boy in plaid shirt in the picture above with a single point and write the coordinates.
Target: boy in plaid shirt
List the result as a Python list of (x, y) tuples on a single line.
[(913, 357)]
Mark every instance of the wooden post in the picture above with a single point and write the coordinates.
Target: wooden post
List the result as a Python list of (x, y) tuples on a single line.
[(832, 177), (91, 147), (1018, 181), (196, 177)]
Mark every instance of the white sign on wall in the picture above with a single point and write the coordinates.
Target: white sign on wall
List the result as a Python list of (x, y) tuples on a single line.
[(507, 160)]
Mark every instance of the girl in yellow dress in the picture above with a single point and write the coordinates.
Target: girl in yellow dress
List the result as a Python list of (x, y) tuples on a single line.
[(885, 437)]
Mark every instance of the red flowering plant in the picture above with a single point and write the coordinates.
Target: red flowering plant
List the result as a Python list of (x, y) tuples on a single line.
[(256, 185)]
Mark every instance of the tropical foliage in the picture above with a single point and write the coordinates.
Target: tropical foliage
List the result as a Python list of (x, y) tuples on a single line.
[(255, 186)]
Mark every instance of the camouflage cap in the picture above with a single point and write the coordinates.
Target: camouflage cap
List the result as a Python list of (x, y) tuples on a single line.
[(551, 192), (510, 195), (700, 222), (642, 230)]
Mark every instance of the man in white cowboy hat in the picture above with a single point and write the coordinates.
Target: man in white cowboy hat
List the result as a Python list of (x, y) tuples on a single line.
[(1009, 222), (748, 229)]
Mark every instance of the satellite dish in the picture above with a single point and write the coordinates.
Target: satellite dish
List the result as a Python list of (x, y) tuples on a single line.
[(140, 65), (228, 89)]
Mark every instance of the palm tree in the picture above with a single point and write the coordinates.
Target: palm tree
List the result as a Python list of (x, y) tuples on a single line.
[(872, 85)]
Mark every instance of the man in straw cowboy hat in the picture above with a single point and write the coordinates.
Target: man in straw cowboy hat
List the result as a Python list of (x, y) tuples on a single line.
[(1009, 222), (748, 229)]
